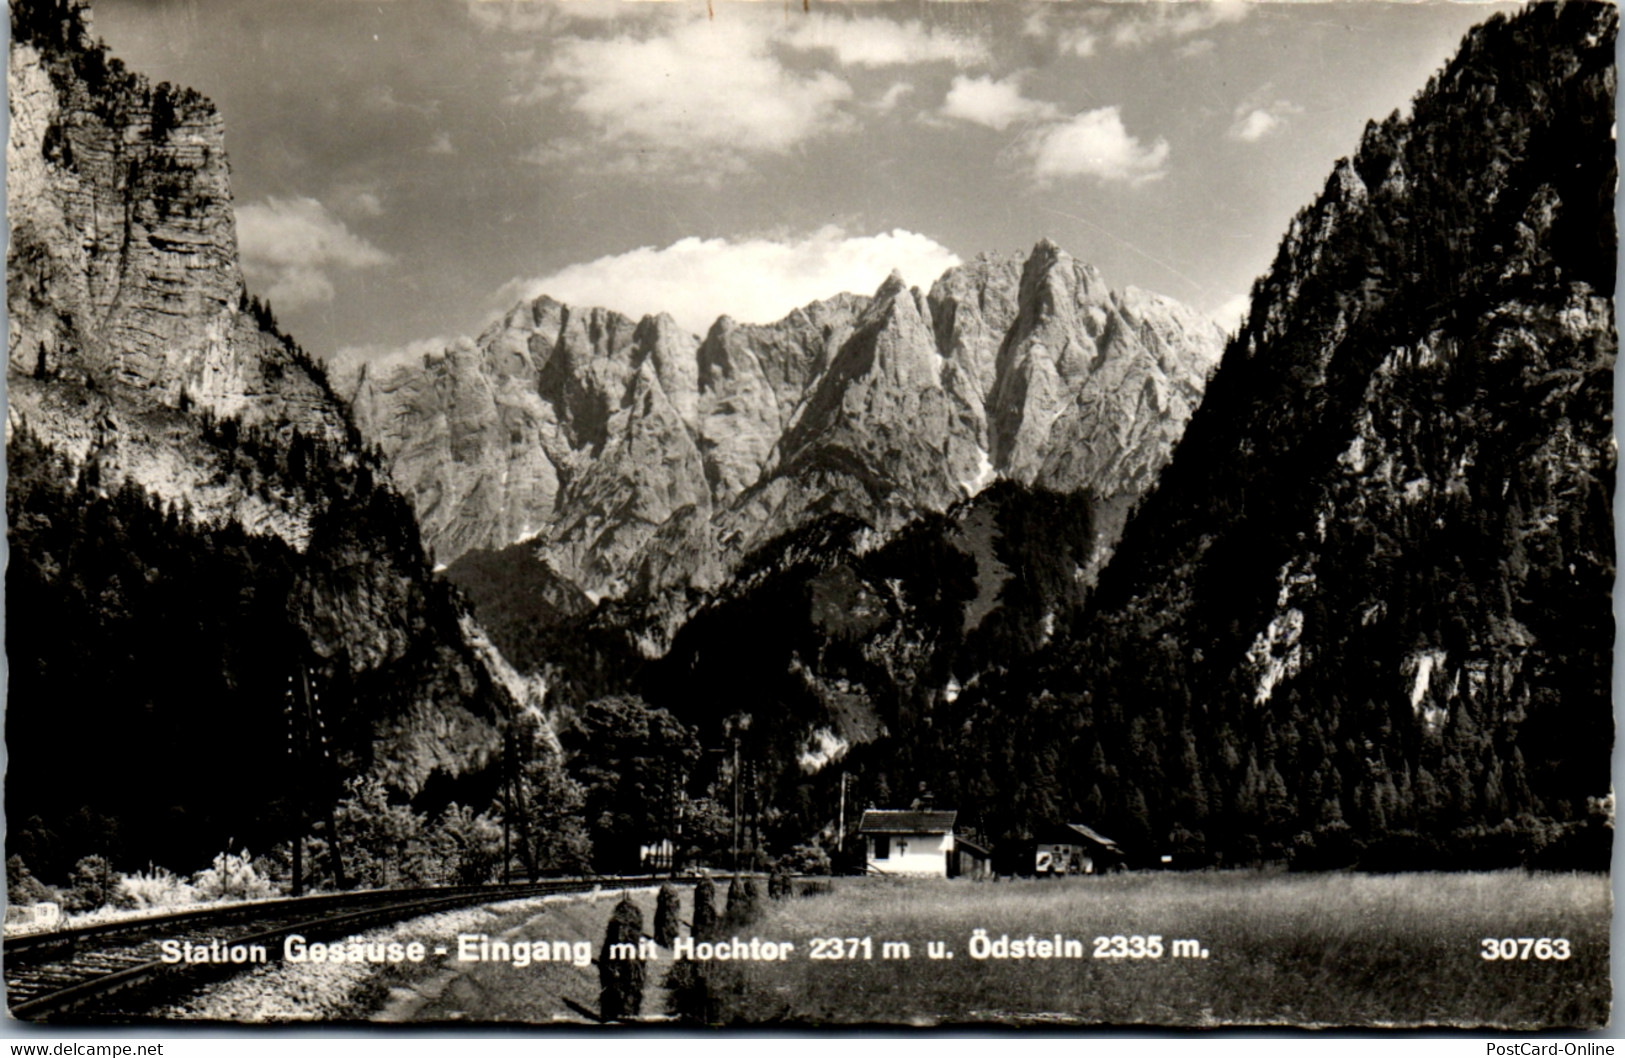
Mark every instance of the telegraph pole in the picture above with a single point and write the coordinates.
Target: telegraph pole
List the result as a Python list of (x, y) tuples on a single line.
[(736, 804), (308, 748), (313, 702), (507, 782), (840, 818), (296, 751)]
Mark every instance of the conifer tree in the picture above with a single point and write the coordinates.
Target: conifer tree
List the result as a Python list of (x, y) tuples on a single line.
[(705, 910), (620, 981), (666, 916)]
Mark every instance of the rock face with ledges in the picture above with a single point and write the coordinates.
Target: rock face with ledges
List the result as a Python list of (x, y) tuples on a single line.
[(639, 457), (119, 193), (136, 358), (125, 297)]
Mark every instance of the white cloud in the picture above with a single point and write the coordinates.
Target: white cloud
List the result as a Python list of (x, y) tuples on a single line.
[(356, 199), (555, 152), (1231, 313), (1254, 121), (516, 16), (384, 98), (292, 244), (893, 95), (1254, 125), (541, 18), (879, 42), (1152, 22), (1095, 144), (705, 94), (753, 280), (996, 104), (1077, 40), (344, 366), (442, 144)]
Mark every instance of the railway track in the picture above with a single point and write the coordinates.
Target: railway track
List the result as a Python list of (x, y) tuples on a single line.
[(75, 971)]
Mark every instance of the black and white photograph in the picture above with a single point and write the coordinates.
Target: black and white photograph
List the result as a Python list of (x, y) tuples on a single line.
[(596, 516)]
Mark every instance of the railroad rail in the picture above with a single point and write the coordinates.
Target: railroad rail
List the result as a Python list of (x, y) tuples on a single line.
[(49, 975)]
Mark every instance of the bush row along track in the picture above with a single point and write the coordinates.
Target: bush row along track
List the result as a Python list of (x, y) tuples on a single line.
[(50, 975)]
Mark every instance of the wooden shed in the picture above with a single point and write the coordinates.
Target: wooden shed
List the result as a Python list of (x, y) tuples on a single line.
[(969, 860), (1073, 848)]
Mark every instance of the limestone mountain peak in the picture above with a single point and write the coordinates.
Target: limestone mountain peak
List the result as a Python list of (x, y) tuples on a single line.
[(881, 406)]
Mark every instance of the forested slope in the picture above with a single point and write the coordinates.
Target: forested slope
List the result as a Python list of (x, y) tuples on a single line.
[(1367, 611)]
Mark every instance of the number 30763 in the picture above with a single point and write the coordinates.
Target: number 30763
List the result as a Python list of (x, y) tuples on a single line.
[(1522, 949)]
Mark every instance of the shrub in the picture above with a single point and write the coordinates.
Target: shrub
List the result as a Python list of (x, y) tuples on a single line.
[(806, 859), (156, 889), (91, 885), (705, 910), (779, 884), (744, 901), (466, 846), (21, 885), (382, 842), (233, 877), (667, 912), (688, 993), (620, 981)]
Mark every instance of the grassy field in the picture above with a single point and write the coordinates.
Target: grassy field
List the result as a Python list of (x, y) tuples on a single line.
[(1308, 950)]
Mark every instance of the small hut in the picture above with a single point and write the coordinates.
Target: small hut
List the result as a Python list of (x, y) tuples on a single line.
[(1073, 848), (908, 842), (969, 860)]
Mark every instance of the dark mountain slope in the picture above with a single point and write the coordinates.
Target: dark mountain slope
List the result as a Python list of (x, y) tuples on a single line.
[(193, 520), (828, 647), (1371, 594)]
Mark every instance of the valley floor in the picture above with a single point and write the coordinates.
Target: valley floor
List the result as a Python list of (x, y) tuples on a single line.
[(1203, 950), (1196, 950)]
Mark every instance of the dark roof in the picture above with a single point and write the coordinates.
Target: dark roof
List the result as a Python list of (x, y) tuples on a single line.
[(885, 821), (1059, 832)]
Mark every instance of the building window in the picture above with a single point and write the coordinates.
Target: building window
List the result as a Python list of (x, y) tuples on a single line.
[(883, 847)]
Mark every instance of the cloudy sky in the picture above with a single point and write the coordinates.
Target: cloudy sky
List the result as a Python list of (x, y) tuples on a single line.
[(407, 169)]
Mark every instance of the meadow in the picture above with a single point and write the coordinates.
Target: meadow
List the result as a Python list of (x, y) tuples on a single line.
[(1339, 949)]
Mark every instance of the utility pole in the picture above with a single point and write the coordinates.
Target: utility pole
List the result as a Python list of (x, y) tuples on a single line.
[(679, 811), (754, 844), (307, 736), (309, 749), (296, 751), (840, 818), (507, 782), (315, 702), (736, 819)]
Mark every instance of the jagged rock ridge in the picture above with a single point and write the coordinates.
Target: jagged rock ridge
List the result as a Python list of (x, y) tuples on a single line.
[(642, 458)]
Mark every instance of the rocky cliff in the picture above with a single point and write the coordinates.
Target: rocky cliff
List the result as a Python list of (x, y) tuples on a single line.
[(123, 286), (180, 468), (639, 457)]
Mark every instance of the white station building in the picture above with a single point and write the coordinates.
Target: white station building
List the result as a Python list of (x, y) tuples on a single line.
[(906, 842)]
